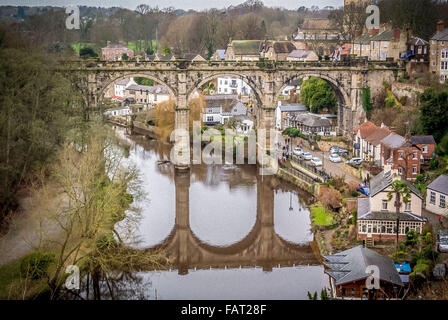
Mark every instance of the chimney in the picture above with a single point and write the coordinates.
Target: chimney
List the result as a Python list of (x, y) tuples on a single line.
[(440, 25), (108, 43), (397, 33)]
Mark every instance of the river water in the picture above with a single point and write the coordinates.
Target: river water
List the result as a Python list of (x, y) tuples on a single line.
[(230, 233)]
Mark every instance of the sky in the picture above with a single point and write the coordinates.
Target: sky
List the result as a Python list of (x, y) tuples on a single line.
[(178, 4)]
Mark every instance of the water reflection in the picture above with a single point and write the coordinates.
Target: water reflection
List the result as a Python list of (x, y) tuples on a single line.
[(228, 218)]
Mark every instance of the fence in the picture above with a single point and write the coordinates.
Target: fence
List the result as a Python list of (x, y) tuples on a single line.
[(311, 168), (299, 174)]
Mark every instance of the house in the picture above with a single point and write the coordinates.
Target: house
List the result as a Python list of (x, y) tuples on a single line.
[(220, 108), (372, 144), (388, 44), (348, 272), (165, 58), (320, 35), (377, 216), (292, 87), (245, 124), (417, 50), (436, 195), (243, 50), (283, 112), (148, 95), (426, 144), (119, 111), (438, 61), (302, 55), (342, 52), (361, 45), (276, 50), (193, 57), (229, 85), (360, 146), (312, 124), (219, 55), (402, 155), (115, 52), (121, 86)]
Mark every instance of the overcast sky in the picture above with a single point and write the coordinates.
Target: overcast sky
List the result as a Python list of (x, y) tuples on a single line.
[(179, 4)]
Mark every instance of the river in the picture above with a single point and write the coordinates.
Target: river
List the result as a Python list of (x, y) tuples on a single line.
[(230, 233)]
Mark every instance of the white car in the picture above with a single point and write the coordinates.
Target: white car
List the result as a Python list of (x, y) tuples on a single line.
[(307, 156), (335, 158), (316, 162), (297, 152)]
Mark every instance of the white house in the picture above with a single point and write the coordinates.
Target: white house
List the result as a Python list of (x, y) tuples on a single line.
[(282, 111), (121, 86), (245, 125), (436, 196), (148, 95), (228, 85), (119, 111), (220, 108)]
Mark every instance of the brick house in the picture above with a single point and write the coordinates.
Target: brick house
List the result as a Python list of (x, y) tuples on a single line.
[(115, 52), (401, 155), (426, 144), (377, 216), (438, 61)]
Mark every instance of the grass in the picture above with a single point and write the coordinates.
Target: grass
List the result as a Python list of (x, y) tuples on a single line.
[(321, 217)]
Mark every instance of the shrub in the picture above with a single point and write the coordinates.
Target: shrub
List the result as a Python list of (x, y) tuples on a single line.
[(330, 198), (354, 193), (36, 264)]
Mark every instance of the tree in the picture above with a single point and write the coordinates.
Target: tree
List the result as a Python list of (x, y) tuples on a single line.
[(434, 113), (125, 57), (401, 192), (87, 52), (317, 95), (366, 102)]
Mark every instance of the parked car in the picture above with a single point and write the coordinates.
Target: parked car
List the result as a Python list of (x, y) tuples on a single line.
[(334, 157), (297, 151), (338, 150), (362, 188), (442, 240), (307, 156), (354, 161), (316, 162)]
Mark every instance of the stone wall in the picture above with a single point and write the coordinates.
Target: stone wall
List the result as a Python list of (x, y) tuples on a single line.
[(410, 92)]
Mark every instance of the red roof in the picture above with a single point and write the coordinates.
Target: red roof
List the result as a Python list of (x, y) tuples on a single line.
[(366, 129)]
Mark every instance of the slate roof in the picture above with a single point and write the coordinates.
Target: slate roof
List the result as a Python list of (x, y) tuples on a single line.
[(350, 265), (363, 39), (384, 179), (394, 141), (416, 41), (422, 140), (300, 54), (246, 47), (151, 89), (123, 82), (441, 35), (293, 108), (283, 47), (311, 120), (440, 184), (387, 35), (221, 53)]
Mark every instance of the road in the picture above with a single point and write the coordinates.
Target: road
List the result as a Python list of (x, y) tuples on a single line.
[(334, 169)]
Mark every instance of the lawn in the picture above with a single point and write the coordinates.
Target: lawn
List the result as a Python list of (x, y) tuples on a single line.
[(321, 217)]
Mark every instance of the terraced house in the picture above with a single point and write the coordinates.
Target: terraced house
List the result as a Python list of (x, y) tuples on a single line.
[(276, 50), (438, 64)]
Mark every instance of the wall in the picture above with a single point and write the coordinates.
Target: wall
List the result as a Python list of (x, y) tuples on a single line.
[(410, 91), (377, 200), (435, 208)]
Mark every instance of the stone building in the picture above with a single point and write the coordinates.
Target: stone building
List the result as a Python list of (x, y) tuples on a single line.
[(438, 61), (276, 50), (243, 50), (148, 95)]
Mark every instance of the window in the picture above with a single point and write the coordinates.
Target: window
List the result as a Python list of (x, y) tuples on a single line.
[(407, 206), (432, 198), (400, 170), (400, 155), (425, 148), (414, 169), (442, 201), (209, 119), (414, 156), (384, 205), (434, 64)]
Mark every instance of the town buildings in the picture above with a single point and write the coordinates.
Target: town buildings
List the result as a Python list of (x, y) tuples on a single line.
[(348, 272), (437, 196), (229, 85), (148, 95), (319, 35), (220, 108), (243, 50), (116, 52), (438, 65), (284, 112), (312, 124), (276, 50), (121, 86), (377, 218), (302, 55)]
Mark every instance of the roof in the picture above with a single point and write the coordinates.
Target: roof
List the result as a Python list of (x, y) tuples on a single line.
[(366, 129), (300, 54), (387, 35), (363, 39), (318, 24), (293, 108), (123, 82), (193, 56), (441, 35), (221, 53), (416, 41), (283, 47), (311, 120), (440, 184), (246, 47), (350, 265), (151, 89), (394, 140), (422, 140), (116, 46), (226, 101), (380, 182), (376, 136)]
